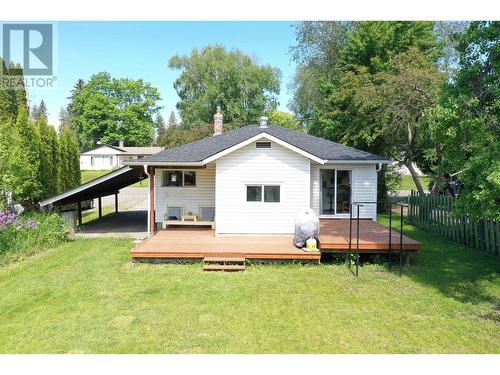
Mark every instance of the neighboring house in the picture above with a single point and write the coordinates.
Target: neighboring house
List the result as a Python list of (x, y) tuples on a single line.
[(111, 157), (257, 179)]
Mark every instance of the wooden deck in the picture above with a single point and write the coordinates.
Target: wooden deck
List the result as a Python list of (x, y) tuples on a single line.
[(373, 237), (198, 243)]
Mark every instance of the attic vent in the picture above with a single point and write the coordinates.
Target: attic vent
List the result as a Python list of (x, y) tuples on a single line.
[(263, 145)]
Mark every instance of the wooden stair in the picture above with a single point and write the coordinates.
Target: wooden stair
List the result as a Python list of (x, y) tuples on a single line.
[(223, 264)]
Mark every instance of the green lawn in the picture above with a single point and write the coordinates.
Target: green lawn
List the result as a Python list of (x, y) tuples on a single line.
[(88, 175), (86, 297), (407, 182)]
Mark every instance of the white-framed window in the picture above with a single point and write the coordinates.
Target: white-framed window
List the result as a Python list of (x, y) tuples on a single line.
[(111, 160), (179, 178), (263, 193)]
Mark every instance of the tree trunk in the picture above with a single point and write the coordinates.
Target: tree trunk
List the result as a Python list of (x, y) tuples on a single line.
[(414, 175)]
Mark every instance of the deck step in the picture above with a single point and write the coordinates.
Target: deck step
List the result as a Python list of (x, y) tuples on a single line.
[(223, 267), (223, 259)]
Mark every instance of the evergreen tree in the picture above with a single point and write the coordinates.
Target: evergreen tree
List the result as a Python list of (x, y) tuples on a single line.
[(8, 102), (20, 96), (49, 158), (24, 163), (69, 159), (77, 88), (172, 120), (159, 124), (64, 119)]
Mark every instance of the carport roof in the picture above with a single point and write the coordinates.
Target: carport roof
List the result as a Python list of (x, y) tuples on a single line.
[(102, 186)]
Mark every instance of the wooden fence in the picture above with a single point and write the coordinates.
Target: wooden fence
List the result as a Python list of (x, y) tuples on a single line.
[(433, 214)]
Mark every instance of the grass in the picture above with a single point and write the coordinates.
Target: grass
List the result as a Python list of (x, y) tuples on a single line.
[(407, 182), (89, 175), (86, 297)]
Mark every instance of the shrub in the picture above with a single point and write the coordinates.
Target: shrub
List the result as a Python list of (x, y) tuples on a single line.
[(27, 234)]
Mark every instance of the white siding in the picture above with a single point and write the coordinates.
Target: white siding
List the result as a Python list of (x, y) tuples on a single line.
[(101, 156), (100, 162), (364, 187), (249, 166), (190, 198)]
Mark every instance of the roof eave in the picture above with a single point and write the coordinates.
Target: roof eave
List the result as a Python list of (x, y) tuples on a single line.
[(358, 161)]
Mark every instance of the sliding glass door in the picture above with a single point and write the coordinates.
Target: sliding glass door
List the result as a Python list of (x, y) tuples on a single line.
[(335, 191)]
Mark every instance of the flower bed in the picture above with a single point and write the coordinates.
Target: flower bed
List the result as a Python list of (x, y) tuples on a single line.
[(26, 234)]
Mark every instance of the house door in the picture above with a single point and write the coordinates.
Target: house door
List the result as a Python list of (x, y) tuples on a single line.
[(335, 191)]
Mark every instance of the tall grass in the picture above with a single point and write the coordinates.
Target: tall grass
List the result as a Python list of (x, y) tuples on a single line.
[(29, 233)]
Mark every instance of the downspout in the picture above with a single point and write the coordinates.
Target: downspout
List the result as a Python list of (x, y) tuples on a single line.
[(379, 167), (149, 201)]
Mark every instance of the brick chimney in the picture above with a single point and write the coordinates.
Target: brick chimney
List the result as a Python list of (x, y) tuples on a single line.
[(218, 124)]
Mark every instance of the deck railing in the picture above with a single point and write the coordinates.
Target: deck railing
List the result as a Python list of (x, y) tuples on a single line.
[(400, 250)]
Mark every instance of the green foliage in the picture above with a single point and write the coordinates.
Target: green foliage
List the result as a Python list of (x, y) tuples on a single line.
[(70, 159), (465, 124), (174, 136), (49, 158), (285, 119), (172, 120), (213, 76), (110, 109), (25, 161), (20, 240), (358, 76)]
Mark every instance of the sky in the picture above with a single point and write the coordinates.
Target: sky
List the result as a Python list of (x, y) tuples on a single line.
[(142, 50)]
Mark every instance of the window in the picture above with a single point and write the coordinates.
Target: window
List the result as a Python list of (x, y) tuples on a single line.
[(189, 178), (254, 193), (271, 193), (111, 160), (179, 178)]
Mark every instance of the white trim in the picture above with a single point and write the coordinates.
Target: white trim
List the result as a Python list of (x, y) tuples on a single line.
[(86, 185), (269, 137)]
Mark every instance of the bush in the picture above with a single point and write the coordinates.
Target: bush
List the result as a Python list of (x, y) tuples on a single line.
[(27, 234)]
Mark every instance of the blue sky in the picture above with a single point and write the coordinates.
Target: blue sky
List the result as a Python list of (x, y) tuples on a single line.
[(142, 50)]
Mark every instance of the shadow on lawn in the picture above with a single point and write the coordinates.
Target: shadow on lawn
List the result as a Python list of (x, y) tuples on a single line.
[(455, 270)]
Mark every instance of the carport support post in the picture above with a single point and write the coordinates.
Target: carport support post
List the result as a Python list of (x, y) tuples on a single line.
[(79, 212), (151, 201), (116, 202), (99, 203)]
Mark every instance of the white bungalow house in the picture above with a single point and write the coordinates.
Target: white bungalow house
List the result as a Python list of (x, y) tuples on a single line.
[(257, 179), (111, 157)]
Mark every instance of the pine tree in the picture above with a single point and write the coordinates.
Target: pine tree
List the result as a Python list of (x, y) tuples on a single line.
[(74, 92), (172, 120)]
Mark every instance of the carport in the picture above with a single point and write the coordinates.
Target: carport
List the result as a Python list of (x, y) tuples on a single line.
[(109, 184)]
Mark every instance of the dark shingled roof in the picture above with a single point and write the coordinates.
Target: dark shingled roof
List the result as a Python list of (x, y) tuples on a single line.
[(200, 150)]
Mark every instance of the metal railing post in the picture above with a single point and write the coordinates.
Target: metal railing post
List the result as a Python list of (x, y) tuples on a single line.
[(401, 244), (348, 260), (390, 236), (357, 241)]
